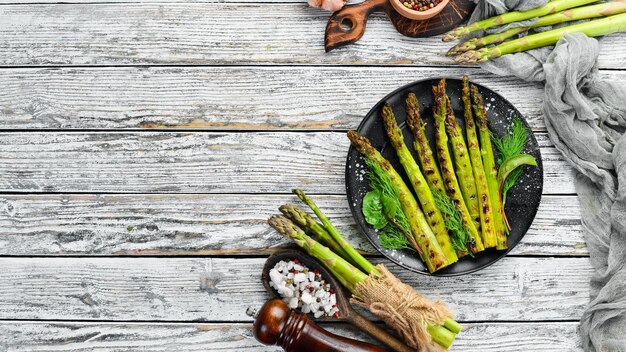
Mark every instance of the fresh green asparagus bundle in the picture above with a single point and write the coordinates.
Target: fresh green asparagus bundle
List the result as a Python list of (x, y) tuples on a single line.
[(424, 195), (463, 166), (486, 207), (594, 28), (515, 16), (362, 263), (423, 323), (346, 273), (489, 164), (451, 183), (314, 229), (575, 14), (430, 250)]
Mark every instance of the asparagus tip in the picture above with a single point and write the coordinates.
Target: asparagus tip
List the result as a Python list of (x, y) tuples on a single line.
[(413, 118), (294, 213), (361, 143), (452, 35), (479, 107), (283, 225), (468, 57), (300, 193), (453, 51), (461, 48)]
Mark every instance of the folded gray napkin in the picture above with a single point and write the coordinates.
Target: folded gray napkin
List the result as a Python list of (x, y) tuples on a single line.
[(585, 115)]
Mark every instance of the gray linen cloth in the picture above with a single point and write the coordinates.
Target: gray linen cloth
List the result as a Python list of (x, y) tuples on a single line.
[(585, 115)]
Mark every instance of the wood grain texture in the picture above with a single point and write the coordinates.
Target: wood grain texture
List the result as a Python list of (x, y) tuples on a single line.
[(206, 224), (237, 98), (196, 162), (171, 33), (62, 336), (220, 289)]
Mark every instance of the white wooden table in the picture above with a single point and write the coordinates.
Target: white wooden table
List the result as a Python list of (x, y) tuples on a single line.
[(144, 144)]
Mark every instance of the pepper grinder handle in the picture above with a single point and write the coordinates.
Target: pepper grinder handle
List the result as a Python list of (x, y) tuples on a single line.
[(276, 324)]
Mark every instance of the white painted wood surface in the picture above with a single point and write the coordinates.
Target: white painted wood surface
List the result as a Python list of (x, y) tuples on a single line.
[(220, 289), (130, 337), (196, 162), (225, 98), (204, 33), (143, 144), (211, 224), (234, 98)]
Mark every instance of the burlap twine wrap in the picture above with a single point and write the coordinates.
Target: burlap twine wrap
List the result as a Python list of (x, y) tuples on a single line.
[(401, 307)]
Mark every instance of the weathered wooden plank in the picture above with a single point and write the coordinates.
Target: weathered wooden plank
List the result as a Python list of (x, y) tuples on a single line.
[(220, 289), (208, 33), (205, 98), (195, 162), (205, 224), (61, 336)]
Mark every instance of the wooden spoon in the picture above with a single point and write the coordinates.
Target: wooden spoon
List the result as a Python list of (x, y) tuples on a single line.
[(346, 312)]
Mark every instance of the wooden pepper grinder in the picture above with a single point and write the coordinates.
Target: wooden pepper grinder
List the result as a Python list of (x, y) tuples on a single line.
[(276, 324)]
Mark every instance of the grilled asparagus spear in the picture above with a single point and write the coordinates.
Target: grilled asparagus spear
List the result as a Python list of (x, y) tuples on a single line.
[(432, 174), (482, 190), (489, 165), (424, 153), (463, 166), (424, 195), (447, 169), (432, 254)]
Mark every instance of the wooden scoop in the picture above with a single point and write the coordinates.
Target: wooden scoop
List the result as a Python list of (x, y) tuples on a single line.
[(346, 312), (347, 25)]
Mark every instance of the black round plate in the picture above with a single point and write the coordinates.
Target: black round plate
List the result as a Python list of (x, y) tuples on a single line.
[(522, 200)]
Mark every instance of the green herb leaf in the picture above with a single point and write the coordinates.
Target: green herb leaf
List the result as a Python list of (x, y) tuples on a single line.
[(373, 210), (513, 163), (510, 146), (513, 142), (392, 238), (390, 207), (382, 210), (459, 235)]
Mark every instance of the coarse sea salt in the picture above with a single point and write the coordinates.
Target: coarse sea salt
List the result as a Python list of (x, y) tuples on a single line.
[(303, 289)]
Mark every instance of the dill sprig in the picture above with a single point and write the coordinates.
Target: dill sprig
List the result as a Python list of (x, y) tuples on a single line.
[(512, 144), (459, 235), (390, 236)]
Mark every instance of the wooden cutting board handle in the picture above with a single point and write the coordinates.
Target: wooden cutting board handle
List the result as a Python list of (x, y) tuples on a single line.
[(347, 25)]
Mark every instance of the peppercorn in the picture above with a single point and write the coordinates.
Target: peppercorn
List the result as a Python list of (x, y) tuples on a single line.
[(421, 5)]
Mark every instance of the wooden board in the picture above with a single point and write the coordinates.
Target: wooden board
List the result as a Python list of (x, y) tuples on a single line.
[(233, 98), (347, 25), (162, 224), (181, 33), (220, 289), (195, 162), (69, 337)]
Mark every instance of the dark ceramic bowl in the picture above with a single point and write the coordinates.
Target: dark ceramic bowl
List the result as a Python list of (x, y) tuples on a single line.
[(522, 200)]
